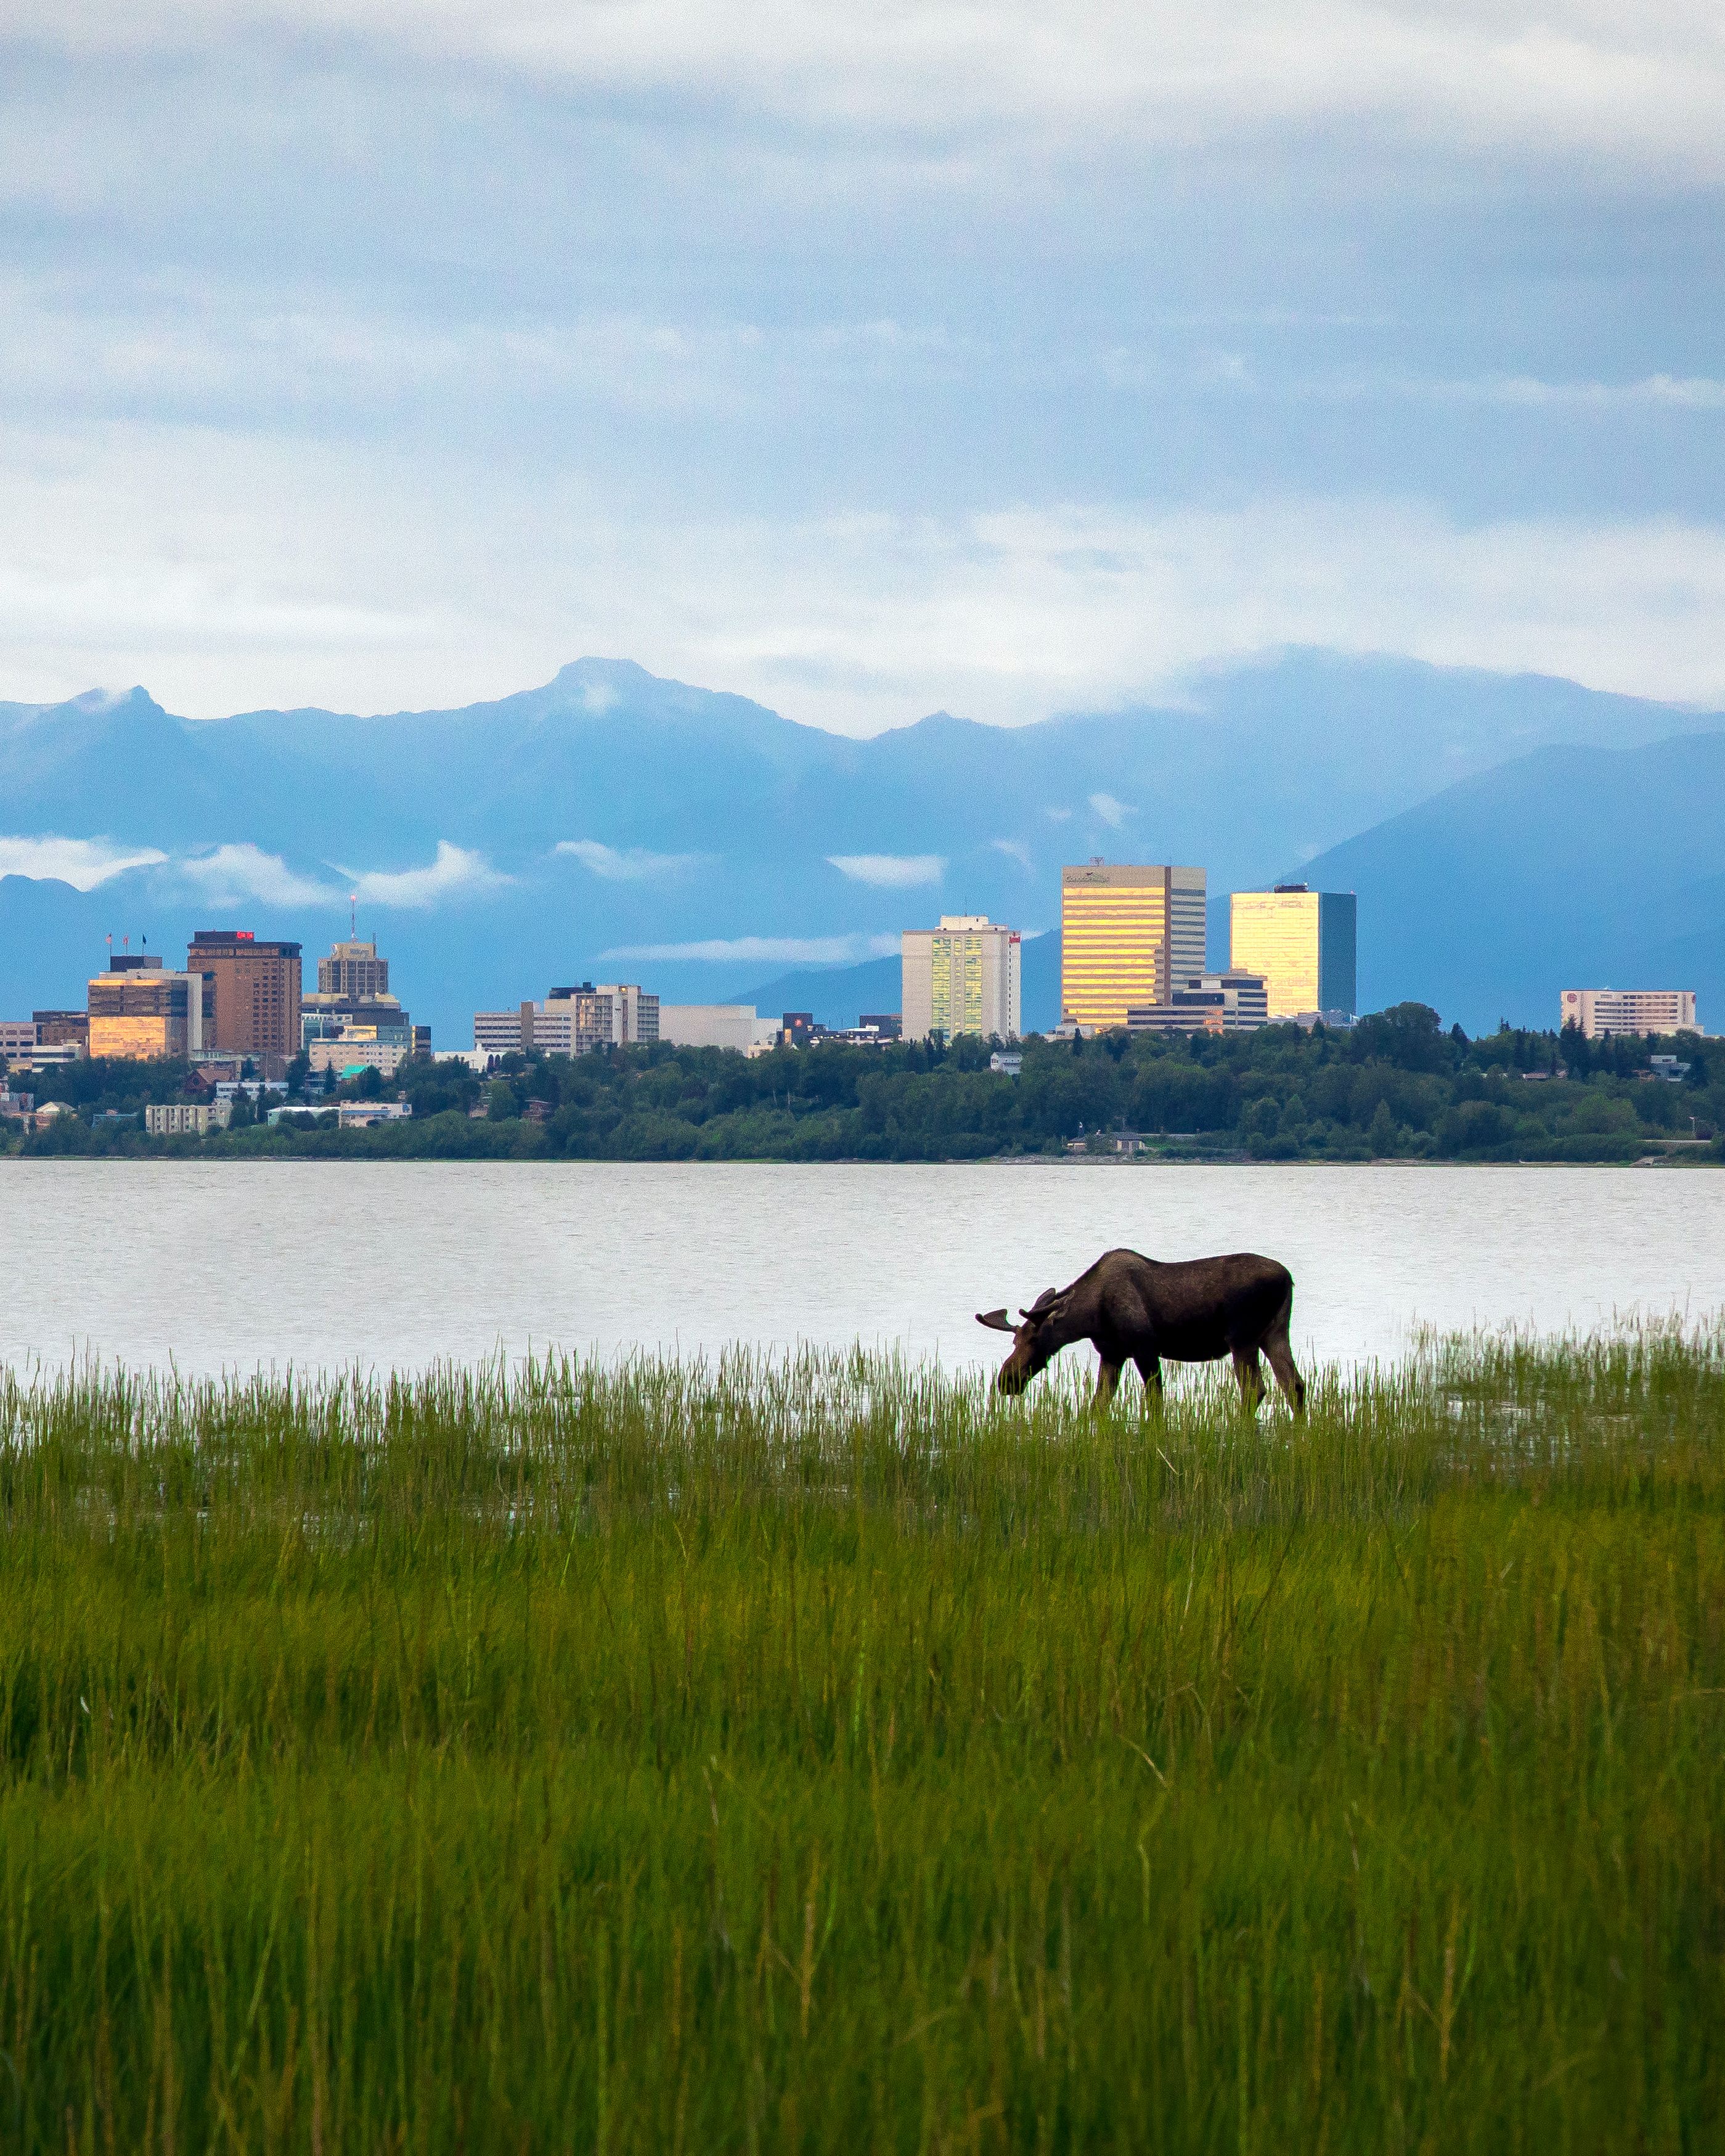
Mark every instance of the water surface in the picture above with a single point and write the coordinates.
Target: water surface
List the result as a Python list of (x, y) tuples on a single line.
[(225, 1264)]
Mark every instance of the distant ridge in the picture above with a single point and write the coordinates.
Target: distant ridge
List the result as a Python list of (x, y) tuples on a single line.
[(702, 823)]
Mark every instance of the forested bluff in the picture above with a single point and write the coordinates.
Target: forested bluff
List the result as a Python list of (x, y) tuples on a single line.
[(1395, 1086)]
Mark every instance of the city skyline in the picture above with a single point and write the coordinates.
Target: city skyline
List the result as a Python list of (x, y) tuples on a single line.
[(721, 847)]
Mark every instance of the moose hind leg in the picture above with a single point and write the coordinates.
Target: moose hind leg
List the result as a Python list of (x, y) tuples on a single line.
[(1150, 1370), (1250, 1372), (1107, 1378)]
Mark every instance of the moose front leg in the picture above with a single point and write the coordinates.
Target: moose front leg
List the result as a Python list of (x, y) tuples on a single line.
[(1250, 1371), (1150, 1370), (1107, 1378)]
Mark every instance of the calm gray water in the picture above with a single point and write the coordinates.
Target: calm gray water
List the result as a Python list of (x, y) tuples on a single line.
[(237, 1265)]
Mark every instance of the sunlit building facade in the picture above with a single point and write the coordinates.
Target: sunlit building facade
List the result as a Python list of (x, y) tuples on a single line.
[(962, 977), (138, 1012), (1127, 931), (1303, 944)]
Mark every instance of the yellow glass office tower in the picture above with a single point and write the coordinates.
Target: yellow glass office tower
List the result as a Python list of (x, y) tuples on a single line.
[(1127, 932), (1302, 942)]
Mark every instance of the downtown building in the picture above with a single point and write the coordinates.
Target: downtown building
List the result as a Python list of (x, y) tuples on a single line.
[(256, 986), (572, 1021), (1128, 931), (1205, 1003), (352, 1020), (1302, 944), (139, 1012), (737, 1026), (961, 978), (1597, 1012)]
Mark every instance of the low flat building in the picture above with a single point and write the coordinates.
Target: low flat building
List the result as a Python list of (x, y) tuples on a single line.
[(358, 1050), (1598, 1012), (738, 1026), (169, 1119), (62, 1029), (361, 1115), (862, 1036), (1205, 1003), (20, 1107)]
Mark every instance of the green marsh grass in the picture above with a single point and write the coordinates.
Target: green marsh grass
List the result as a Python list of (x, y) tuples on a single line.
[(813, 1753)]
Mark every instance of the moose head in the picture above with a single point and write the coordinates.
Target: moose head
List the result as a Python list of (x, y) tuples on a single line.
[(1036, 1339)]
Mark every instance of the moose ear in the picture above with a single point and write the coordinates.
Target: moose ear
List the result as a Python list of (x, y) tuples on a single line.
[(997, 1321), (1044, 1303)]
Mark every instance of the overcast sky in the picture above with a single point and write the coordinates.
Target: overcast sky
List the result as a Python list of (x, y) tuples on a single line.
[(866, 359)]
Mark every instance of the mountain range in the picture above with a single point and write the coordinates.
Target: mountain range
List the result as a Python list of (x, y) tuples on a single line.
[(1508, 836)]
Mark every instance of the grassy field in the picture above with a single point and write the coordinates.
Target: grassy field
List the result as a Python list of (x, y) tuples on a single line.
[(814, 1755)]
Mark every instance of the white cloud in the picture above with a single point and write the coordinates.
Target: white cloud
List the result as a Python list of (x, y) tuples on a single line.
[(1680, 392), (243, 871), (889, 871), (855, 623), (1112, 812), (627, 864), (1562, 77), (1016, 850), (769, 950), (83, 863), (455, 873)]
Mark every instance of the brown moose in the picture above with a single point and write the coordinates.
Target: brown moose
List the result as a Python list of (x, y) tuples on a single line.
[(1195, 1311)]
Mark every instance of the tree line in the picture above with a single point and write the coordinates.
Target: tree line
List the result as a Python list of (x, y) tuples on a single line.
[(1396, 1086)]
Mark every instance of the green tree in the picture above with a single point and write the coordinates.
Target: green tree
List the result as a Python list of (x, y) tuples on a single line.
[(1383, 1134)]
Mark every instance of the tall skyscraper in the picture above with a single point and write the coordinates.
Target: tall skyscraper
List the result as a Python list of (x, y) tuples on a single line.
[(257, 985), (1127, 934), (355, 971), (1302, 942), (961, 978)]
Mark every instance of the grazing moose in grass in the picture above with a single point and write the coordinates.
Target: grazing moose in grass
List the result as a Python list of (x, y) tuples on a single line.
[(1129, 1305)]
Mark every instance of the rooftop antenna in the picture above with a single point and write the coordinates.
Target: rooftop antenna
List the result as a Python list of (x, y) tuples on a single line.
[(353, 917)]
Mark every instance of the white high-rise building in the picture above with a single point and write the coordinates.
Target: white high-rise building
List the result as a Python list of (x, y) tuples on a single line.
[(1600, 1011), (961, 978)]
